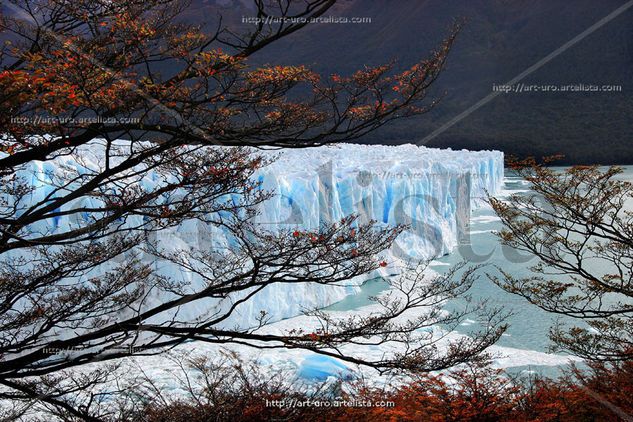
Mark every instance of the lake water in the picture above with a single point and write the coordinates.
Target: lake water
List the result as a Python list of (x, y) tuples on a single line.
[(528, 325)]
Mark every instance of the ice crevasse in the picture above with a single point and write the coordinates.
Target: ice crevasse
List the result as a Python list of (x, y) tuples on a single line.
[(430, 190)]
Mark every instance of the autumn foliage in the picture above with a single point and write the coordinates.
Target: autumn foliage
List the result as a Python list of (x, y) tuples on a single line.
[(579, 225), (474, 393)]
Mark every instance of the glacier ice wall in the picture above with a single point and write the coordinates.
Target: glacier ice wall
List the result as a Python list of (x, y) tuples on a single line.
[(429, 190)]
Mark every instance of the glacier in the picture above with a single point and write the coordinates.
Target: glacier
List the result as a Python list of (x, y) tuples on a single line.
[(430, 190)]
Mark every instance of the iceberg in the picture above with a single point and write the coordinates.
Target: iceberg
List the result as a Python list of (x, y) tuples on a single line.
[(320, 368)]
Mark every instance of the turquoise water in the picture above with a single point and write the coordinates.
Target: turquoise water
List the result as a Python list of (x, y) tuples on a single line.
[(529, 326), (369, 289)]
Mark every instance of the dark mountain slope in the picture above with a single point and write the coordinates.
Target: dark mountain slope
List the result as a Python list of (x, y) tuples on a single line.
[(500, 40)]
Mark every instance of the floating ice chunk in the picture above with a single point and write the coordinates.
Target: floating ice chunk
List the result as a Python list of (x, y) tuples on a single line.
[(320, 368)]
